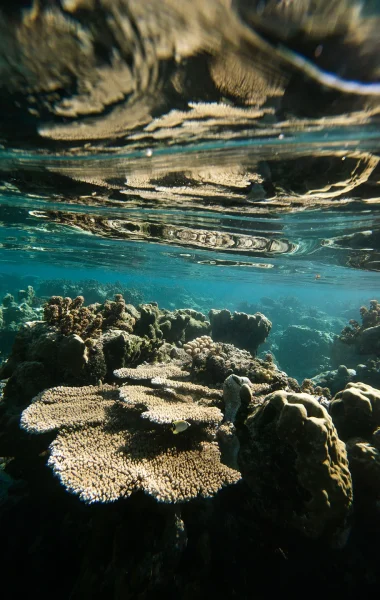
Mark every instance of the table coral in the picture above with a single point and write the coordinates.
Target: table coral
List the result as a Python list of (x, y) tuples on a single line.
[(147, 372), (166, 405), (60, 406), (112, 442)]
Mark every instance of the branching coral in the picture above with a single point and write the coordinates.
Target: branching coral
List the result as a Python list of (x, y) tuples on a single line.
[(199, 345), (70, 316), (365, 337)]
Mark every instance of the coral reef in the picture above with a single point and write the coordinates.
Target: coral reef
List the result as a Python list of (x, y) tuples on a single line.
[(293, 436), (359, 342), (335, 380), (166, 436), (244, 331), (15, 313)]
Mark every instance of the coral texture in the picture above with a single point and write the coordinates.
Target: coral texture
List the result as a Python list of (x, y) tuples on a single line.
[(296, 465), (242, 330), (113, 442), (355, 411), (233, 387), (356, 415)]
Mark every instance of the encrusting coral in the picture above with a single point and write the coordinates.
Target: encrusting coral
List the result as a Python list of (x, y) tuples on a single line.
[(114, 441)]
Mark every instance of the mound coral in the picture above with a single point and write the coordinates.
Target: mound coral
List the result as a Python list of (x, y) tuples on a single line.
[(216, 362), (356, 415), (296, 465), (355, 411), (174, 326), (242, 330)]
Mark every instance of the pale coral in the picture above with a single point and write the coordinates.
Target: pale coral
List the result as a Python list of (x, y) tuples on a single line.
[(58, 406), (166, 406), (104, 450)]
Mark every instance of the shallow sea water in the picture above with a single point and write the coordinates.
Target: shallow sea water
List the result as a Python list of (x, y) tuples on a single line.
[(201, 155)]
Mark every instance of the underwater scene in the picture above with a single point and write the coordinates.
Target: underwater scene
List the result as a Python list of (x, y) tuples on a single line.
[(189, 299)]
